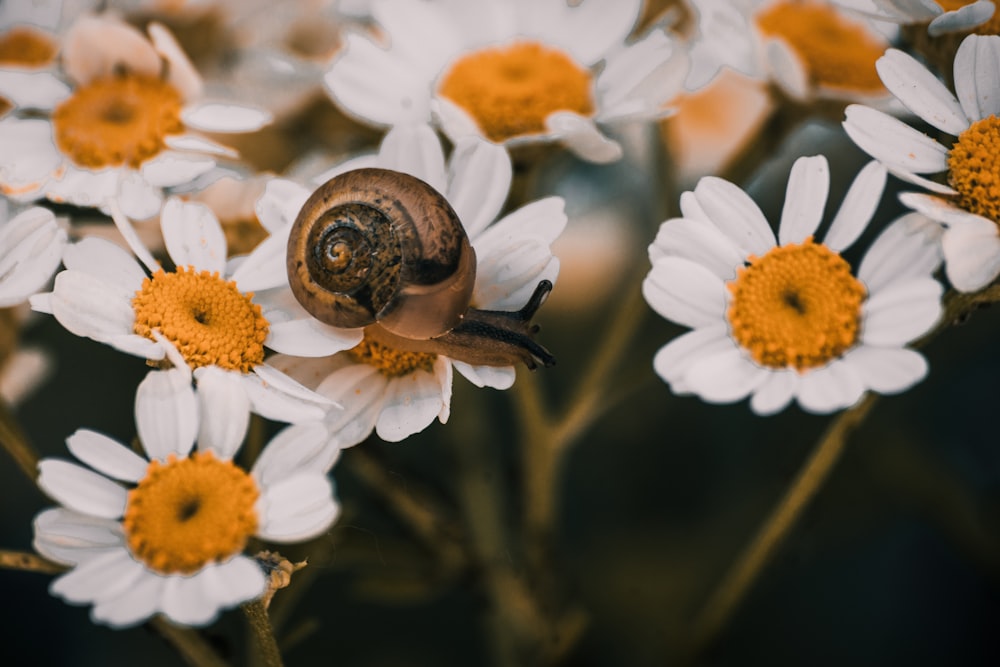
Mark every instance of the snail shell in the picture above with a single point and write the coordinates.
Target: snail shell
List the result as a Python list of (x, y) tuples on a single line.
[(374, 245)]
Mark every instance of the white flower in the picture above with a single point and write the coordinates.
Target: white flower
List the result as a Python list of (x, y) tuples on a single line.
[(121, 130), (198, 316), (970, 15), (400, 393), (514, 72), (969, 204), (809, 49), (31, 246), (165, 534), (784, 318)]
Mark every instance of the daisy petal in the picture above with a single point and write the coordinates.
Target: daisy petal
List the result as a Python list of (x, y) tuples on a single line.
[(195, 143), (296, 508), (171, 168), (685, 292), (101, 578), (775, 393), (136, 603), (596, 26), (972, 254), (725, 377), (412, 402), (281, 202), (106, 456), (977, 75), (305, 447), (830, 388), (699, 242), (70, 538), (893, 142), (733, 211), (218, 117), (908, 248), (310, 338), (32, 90), (235, 581), (921, 92), (805, 198), (181, 74), (166, 413), (90, 306), (107, 261), (193, 236), (901, 312), (787, 68), (224, 409), (961, 19), (496, 377), (581, 136), (479, 177), (186, 601), (414, 150), (859, 205), (673, 360), (887, 370), (933, 186), (937, 208), (80, 489), (276, 396)]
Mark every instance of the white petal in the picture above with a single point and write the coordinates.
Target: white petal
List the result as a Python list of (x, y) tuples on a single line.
[(901, 312), (166, 413), (361, 389), (972, 254), (107, 261), (138, 198), (725, 377), (134, 605), (33, 90), (127, 230), (455, 122), (198, 144), (171, 168), (735, 213), (32, 246), (673, 360), (542, 218), (938, 208), (89, 306), (496, 377), (181, 74), (224, 409), (593, 28), (685, 292), (97, 46), (276, 396), (479, 177), (507, 277), (106, 456), (908, 248), (80, 489), (887, 370), (311, 338), (70, 538), (281, 202), (927, 183), (830, 388), (859, 205), (186, 601), (297, 508), (581, 136), (193, 235), (893, 142), (219, 117), (29, 159), (805, 198), (921, 92), (83, 187), (977, 76), (235, 581), (787, 68), (101, 578), (414, 150), (640, 80), (961, 19), (412, 402), (700, 242), (305, 447), (775, 393), (264, 268)]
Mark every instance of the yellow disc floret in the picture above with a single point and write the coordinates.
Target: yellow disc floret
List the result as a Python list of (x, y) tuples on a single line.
[(391, 362), (839, 53), (974, 168), (26, 47), (207, 318), (187, 513), (117, 120), (510, 90), (798, 306)]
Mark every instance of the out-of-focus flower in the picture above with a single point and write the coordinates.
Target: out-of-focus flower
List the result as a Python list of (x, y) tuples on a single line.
[(31, 246), (122, 130), (782, 319), (165, 534), (196, 316), (395, 392), (942, 16), (514, 72), (968, 205), (808, 49)]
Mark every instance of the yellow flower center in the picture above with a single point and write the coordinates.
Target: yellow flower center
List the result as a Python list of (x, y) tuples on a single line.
[(187, 513), (991, 27), (839, 53), (974, 168), (117, 120), (391, 362), (26, 47), (207, 318), (510, 90), (798, 306)]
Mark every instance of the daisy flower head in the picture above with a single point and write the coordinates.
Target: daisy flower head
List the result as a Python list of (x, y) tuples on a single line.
[(397, 386), (940, 16), (121, 123), (165, 533), (31, 246), (968, 202), (807, 48), (197, 316), (513, 72), (786, 318)]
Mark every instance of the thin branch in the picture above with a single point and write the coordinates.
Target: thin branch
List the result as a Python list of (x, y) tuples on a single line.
[(12, 439), (28, 562), (260, 626), (192, 646)]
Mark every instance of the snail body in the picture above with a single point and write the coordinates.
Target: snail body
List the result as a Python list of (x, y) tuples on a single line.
[(384, 250)]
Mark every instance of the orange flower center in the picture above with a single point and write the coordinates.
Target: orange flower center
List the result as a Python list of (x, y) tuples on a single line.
[(26, 47), (390, 362), (974, 168)]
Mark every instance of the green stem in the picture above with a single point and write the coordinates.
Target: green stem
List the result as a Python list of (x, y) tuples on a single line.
[(260, 625)]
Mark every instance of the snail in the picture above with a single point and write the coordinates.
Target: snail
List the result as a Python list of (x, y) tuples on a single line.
[(384, 250)]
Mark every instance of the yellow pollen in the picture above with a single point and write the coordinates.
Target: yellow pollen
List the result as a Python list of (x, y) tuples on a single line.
[(991, 27), (839, 53), (798, 306), (207, 318), (187, 513), (974, 168), (117, 120), (390, 362), (510, 90), (26, 47)]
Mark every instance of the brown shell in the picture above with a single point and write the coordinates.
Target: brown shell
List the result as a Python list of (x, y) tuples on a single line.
[(374, 245)]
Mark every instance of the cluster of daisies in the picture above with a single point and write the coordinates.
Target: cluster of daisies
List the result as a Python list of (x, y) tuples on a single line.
[(106, 116)]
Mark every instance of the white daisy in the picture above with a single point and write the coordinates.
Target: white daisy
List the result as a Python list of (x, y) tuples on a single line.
[(198, 315), (122, 130), (784, 318), (31, 246), (808, 49), (969, 204), (396, 392), (942, 16), (165, 534), (514, 72)]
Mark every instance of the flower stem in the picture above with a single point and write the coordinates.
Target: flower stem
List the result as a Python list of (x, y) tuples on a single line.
[(193, 648), (260, 625), (19, 560), (12, 439)]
